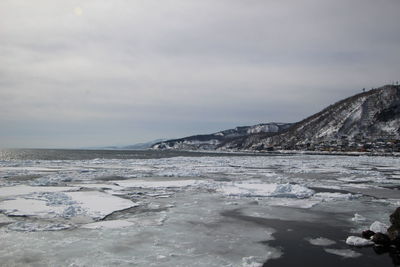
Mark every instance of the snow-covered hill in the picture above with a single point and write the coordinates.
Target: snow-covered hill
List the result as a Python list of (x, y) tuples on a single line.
[(370, 120), (218, 139)]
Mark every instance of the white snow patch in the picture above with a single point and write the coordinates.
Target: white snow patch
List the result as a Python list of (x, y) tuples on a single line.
[(346, 253), (266, 190), (358, 241), (321, 241), (378, 227)]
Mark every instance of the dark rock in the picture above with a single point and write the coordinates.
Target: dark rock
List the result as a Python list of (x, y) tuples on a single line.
[(381, 250), (394, 229), (367, 234), (395, 218), (394, 235), (381, 239)]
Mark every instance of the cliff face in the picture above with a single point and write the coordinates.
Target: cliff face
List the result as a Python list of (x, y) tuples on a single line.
[(366, 117)]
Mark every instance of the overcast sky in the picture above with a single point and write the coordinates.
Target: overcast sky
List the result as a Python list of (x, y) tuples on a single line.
[(100, 72)]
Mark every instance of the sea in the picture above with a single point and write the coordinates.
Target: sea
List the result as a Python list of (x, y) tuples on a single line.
[(61, 207)]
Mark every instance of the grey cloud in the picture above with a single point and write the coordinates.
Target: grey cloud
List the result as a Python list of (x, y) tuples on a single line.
[(169, 68)]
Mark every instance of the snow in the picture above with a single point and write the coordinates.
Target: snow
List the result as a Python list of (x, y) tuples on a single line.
[(345, 253), (358, 241), (266, 190), (378, 227), (321, 241)]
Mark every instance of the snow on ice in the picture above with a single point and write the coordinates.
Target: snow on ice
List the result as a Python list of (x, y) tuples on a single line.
[(358, 241)]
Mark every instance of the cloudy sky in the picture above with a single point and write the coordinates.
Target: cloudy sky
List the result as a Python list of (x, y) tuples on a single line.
[(100, 72)]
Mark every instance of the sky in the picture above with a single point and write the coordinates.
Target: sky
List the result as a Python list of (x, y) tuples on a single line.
[(98, 72)]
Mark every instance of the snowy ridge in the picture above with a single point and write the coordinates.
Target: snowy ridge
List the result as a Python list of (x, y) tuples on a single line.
[(219, 139)]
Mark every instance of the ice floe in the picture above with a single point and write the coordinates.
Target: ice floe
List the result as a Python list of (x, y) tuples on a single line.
[(378, 227), (358, 241), (321, 241), (265, 190), (29, 207), (98, 205), (345, 253)]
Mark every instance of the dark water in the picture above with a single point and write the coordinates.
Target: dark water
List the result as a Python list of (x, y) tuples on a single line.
[(291, 238), (81, 154)]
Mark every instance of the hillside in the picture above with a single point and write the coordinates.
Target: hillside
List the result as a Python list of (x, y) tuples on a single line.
[(366, 121), (219, 139)]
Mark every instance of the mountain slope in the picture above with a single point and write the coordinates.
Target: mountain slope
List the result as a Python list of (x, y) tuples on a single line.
[(218, 139), (365, 118)]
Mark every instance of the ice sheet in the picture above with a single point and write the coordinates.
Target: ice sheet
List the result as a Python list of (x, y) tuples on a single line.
[(265, 190), (98, 205), (29, 207)]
